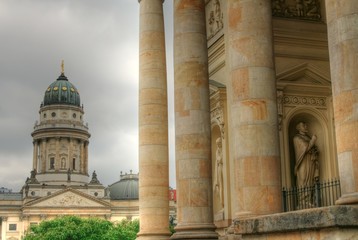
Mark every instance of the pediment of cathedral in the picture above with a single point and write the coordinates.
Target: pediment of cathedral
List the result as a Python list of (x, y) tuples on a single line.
[(304, 73), (68, 198)]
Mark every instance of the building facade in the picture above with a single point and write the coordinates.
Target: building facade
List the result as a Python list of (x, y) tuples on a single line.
[(59, 183), (266, 117)]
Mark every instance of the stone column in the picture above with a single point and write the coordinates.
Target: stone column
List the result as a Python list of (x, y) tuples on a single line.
[(153, 124), (192, 123), (3, 227), (82, 157), (43, 155), (251, 89), (57, 156), (70, 153), (86, 143), (35, 156), (342, 22)]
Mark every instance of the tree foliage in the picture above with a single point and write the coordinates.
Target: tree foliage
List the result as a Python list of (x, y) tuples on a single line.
[(76, 228)]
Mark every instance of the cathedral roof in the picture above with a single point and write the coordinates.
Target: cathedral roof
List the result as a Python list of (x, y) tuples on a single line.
[(62, 92), (126, 188)]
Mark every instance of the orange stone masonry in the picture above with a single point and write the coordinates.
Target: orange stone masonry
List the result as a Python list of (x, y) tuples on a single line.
[(192, 123), (252, 107), (342, 18), (153, 125)]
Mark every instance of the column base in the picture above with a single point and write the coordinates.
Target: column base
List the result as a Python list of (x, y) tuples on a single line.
[(153, 236), (195, 232), (348, 199)]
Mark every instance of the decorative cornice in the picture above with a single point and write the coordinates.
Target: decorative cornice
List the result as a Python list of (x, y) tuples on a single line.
[(304, 100)]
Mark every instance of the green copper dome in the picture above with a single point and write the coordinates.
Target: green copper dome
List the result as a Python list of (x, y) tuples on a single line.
[(62, 92), (126, 188)]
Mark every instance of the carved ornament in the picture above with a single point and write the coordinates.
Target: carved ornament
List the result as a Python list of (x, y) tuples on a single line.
[(304, 100), (300, 9), (215, 17)]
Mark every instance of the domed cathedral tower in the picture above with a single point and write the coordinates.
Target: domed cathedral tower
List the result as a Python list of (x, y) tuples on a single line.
[(60, 139)]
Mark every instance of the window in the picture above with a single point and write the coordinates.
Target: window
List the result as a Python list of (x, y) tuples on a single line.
[(74, 163), (52, 163), (12, 227)]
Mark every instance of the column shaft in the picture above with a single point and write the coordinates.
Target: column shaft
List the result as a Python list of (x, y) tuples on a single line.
[(192, 123), (57, 156), (3, 227), (86, 157), (153, 124), (43, 155), (82, 158), (70, 154), (253, 131), (342, 22), (35, 156)]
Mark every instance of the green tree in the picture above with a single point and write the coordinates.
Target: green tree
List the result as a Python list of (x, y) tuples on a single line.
[(76, 228)]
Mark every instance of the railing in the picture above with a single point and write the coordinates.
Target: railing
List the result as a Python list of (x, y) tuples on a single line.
[(321, 194)]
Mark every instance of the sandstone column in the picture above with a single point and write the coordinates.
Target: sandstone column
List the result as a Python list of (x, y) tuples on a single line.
[(70, 153), (43, 155), (86, 156), (57, 154), (35, 156), (3, 227), (82, 157), (192, 123), (253, 131), (153, 124), (342, 21)]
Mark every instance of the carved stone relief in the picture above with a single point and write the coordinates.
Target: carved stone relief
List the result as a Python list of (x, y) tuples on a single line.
[(301, 9), (68, 199), (214, 17)]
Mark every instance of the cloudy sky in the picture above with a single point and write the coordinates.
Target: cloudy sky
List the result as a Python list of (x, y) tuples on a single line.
[(98, 40)]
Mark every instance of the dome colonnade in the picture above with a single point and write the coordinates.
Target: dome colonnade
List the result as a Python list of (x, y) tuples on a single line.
[(60, 138)]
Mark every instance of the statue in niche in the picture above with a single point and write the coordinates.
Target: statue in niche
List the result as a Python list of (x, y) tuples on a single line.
[(219, 178), (63, 163), (307, 166)]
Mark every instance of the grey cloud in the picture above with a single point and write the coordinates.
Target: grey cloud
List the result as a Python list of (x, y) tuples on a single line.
[(99, 42)]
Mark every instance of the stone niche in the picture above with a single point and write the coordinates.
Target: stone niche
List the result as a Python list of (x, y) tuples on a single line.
[(220, 161), (316, 114)]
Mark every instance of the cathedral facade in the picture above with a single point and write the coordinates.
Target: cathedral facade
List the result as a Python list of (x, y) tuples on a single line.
[(265, 118), (59, 183)]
